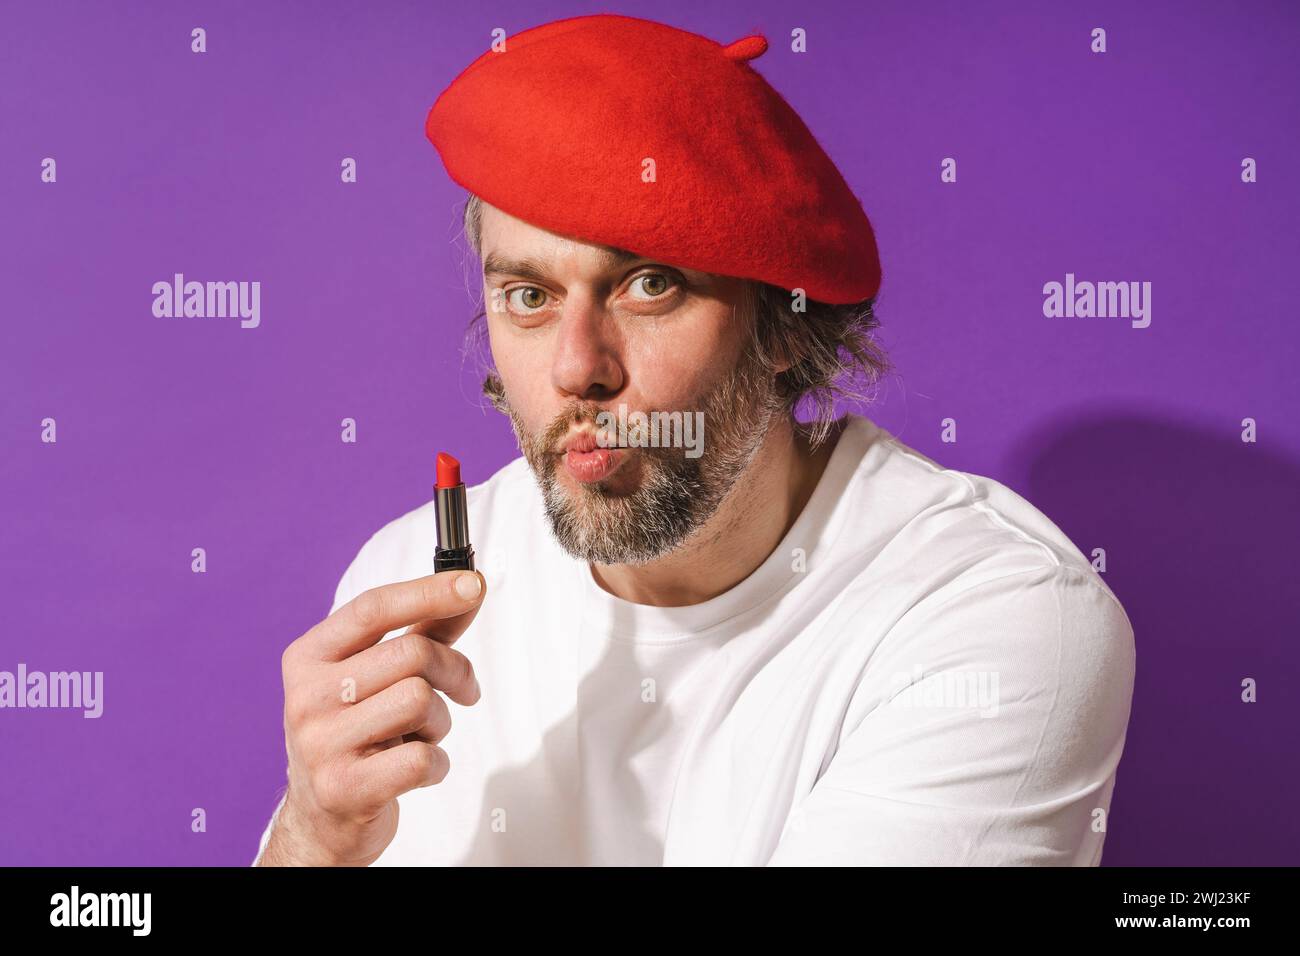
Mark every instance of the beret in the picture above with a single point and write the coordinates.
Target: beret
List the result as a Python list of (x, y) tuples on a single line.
[(556, 130)]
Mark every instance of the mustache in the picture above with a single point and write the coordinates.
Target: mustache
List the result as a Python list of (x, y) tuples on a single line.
[(579, 413), (575, 418)]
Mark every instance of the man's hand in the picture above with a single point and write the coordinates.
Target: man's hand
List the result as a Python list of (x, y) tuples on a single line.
[(363, 716)]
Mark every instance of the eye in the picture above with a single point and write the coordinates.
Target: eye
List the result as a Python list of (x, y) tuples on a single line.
[(650, 286), (525, 299)]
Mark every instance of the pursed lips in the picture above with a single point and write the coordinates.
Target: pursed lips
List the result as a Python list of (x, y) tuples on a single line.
[(587, 460)]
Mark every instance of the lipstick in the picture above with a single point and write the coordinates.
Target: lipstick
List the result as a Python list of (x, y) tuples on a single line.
[(454, 552)]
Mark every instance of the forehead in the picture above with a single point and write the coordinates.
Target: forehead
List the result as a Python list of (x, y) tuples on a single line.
[(505, 238)]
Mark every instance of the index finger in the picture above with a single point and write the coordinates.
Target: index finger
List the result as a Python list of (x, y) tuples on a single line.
[(373, 613), (445, 630)]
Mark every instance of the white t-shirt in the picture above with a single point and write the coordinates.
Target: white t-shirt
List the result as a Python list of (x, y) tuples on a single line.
[(925, 671)]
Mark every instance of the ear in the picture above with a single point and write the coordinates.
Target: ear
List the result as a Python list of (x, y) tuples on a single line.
[(495, 391)]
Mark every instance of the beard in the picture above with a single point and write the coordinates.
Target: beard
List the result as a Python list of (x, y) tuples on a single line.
[(676, 495)]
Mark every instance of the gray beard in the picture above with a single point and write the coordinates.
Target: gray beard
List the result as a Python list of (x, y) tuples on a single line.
[(677, 496)]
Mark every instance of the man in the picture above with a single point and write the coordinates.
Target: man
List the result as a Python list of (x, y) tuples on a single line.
[(788, 643)]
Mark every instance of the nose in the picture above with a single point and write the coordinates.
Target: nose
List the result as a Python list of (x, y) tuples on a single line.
[(586, 363)]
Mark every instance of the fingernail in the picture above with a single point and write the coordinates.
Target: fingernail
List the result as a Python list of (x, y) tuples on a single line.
[(468, 585)]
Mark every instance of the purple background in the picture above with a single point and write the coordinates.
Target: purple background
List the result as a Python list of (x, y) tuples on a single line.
[(183, 433)]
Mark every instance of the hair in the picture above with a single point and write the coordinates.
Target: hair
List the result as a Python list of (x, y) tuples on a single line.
[(831, 349)]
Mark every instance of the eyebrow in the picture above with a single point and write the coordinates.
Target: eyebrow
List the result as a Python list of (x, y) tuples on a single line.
[(528, 267)]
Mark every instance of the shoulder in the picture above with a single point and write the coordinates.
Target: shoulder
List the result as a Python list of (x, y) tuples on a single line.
[(956, 527), (1047, 625), (970, 569)]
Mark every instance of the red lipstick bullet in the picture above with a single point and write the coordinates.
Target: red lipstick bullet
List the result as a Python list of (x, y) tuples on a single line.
[(453, 552)]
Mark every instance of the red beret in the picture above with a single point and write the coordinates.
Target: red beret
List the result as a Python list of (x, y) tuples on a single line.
[(555, 128)]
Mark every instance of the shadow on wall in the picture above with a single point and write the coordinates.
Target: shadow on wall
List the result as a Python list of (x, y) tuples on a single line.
[(1200, 532)]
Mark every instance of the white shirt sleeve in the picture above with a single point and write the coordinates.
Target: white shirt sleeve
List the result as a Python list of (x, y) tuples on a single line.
[(347, 589), (1021, 773)]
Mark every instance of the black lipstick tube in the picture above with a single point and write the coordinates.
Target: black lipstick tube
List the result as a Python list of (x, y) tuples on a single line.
[(454, 552)]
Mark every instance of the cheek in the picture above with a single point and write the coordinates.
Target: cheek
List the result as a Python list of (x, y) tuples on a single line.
[(525, 373), (671, 371)]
